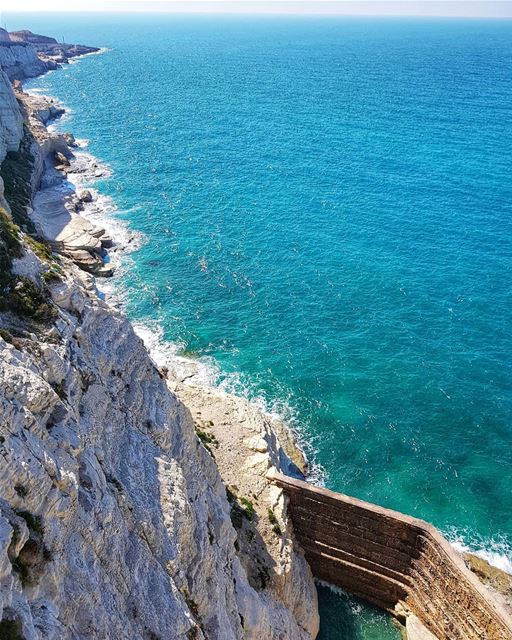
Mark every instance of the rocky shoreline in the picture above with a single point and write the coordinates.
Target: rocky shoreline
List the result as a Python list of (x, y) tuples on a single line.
[(24, 54), (56, 205), (57, 209), (154, 516)]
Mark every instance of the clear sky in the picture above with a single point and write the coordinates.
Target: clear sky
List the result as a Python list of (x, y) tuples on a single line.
[(484, 8)]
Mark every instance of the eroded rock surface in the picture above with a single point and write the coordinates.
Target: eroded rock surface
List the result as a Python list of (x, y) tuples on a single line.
[(114, 517)]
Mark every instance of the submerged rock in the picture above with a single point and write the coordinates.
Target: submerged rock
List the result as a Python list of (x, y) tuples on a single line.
[(496, 579)]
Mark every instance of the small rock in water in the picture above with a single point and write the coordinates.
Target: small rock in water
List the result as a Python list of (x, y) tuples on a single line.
[(85, 196), (106, 242), (70, 139), (61, 159), (56, 112)]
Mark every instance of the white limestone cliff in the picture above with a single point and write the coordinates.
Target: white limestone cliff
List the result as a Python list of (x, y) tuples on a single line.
[(11, 124), (114, 519), (114, 516), (20, 60)]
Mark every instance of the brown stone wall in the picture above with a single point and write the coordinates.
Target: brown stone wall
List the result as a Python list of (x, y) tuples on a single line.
[(391, 559)]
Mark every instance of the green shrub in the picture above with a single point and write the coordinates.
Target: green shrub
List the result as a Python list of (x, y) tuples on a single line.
[(207, 439), (236, 516), (113, 480), (58, 387), (240, 508), (10, 247), (273, 521), (263, 576), (248, 508), (6, 335), (24, 298), (34, 523), (21, 490), (10, 630), (22, 570), (16, 171), (19, 294), (41, 248), (53, 274)]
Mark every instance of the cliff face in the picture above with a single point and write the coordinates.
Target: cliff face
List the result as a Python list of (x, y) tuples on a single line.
[(115, 521), (11, 124), (20, 60), (11, 120), (24, 54)]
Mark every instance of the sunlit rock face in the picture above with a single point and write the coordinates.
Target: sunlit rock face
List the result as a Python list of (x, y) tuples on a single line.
[(20, 60), (114, 519), (11, 124), (11, 120)]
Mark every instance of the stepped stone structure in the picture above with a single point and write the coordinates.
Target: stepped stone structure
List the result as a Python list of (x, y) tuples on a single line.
[(396, 562)]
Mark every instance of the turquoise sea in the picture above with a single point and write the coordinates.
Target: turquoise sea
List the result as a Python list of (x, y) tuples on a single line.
[(328, 211)]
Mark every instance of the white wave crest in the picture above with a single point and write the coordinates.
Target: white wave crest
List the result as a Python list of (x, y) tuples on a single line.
[(496, 551)]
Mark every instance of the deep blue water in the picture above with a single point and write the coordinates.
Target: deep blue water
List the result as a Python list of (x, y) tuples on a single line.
[(328, 207)]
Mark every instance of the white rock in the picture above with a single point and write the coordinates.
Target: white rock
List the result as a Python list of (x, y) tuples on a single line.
[(11, 120), (258, 444), (416, 630)]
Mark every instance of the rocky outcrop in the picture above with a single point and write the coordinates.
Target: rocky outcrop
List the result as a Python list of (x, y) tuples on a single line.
[(499, 582), (54, 214), (11, 119), (20, 60), (34, 39), (67, 232), (49, 47), (114, 518), (24, 54)]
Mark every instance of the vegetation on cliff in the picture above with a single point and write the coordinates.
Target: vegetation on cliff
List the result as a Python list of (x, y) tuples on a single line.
[(16, 171), (19, 294)]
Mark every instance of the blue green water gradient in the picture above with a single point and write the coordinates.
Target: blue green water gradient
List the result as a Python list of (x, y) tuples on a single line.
[(328, 208)]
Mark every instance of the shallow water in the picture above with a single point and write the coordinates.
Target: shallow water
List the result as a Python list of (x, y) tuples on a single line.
[(327, 206)]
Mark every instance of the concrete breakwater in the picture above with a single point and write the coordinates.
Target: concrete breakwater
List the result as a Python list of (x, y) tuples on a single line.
[(396, 562)]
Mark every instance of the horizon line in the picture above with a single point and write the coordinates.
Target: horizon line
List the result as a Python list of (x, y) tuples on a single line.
[(206, 12), (499, 9)]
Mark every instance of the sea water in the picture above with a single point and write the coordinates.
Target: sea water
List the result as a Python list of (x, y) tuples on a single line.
[(327, 213)]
